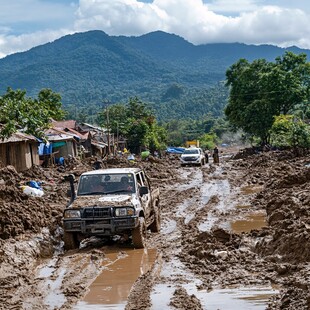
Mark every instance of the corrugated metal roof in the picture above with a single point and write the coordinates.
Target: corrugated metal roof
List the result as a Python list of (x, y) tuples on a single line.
[(54, 134), (59, 137), (99, 144), (64, 124), (19, 137), (79, 134), (93, 127)]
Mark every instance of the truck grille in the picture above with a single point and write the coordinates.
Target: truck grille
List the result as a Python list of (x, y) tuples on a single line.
[(190, 158), (97, 212)]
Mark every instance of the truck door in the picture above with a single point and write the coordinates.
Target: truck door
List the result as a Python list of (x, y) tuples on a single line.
[(146, 199)]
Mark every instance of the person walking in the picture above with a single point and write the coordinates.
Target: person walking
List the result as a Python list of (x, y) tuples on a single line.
[(216, 158), (206, 156)]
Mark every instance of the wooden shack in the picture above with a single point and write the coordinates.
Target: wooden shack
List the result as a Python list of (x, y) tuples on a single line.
[(19, 150)]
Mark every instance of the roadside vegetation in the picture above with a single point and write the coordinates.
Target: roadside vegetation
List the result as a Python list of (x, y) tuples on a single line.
[(270, 101), (17, 111), (265, 103)]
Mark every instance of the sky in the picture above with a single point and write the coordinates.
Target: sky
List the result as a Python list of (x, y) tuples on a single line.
[(28, 23)]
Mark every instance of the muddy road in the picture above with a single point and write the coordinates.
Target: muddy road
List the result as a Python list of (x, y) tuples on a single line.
[(233, 236)]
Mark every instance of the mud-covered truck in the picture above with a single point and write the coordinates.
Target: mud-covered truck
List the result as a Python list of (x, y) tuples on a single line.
[(111, 202)]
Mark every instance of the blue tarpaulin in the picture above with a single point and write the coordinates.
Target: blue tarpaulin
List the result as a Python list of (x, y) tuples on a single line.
[(175, 150), (45, 148)]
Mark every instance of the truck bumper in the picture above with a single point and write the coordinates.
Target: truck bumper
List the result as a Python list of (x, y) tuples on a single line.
[(104, 227)]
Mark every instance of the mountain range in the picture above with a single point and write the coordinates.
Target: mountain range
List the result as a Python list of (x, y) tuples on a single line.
[(90, 68)]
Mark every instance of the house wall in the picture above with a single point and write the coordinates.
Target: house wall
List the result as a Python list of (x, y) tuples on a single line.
[(22, 155), (68, 149), (34, 153)]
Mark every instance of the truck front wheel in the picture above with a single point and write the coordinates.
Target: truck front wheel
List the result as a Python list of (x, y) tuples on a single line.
[(139, 234), (71, 241)]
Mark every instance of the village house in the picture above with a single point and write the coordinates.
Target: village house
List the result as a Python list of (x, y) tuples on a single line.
[(84, 137), (19, 150), (60, 144)]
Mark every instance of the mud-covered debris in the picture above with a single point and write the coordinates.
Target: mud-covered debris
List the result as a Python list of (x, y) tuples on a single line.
[(182, 300)]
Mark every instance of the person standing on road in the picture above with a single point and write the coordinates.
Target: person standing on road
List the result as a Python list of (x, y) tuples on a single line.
[(216, 158), (206, 156)]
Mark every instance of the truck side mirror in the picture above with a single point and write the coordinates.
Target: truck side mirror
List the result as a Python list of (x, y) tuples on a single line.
[(71, 179), (143, 190)]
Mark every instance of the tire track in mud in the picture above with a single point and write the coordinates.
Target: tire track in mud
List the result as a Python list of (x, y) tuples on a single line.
[(189, 269)]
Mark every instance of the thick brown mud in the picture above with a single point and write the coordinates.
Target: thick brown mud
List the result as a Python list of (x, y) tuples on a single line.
[(121, 268), (233, 235)]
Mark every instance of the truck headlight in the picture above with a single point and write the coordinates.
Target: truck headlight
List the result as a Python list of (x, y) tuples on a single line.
[(72, 214), (124, 211)]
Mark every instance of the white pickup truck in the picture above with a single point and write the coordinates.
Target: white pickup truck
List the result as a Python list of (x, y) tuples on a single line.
[(193, 156), (109, 202)]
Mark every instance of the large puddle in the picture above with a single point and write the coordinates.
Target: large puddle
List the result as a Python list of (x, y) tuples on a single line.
[(250, 222), (121, 269), (255, 298)]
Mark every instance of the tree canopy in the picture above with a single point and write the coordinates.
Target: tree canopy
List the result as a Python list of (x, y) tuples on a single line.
[(135, 122), (261, 90), (17, 111), (290, 130)]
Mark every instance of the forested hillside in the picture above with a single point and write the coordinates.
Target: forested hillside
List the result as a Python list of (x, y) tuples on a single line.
[(91, 69)]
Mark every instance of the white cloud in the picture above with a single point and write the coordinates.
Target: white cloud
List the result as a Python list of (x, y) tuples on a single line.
[(194, 21), (126, 17), (232, 6), (247, 21), (11, 44)]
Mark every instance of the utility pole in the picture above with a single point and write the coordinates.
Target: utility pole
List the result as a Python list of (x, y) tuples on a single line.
[(117, 133), (108, 128)]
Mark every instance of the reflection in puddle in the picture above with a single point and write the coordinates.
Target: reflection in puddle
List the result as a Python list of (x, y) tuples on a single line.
[(217, 191), (251, 221), (169, 227), (232, 298), (207, 225), (219, 188), (243, 206), (192, 182), (251, 189), (239, 298), (55, 298), (52, 285), (111, 288)]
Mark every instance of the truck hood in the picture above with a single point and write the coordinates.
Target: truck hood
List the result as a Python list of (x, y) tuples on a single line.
[(190, 155), (102, 201)]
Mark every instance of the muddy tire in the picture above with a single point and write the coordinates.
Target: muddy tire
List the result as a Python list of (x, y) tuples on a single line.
[(70, 241), (155, 226), (139, 235)]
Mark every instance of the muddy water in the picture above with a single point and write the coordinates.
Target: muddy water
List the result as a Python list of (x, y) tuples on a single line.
[(53, 280), (250, 222), (121, 269), (229, 298), (233, 298), (251, 189)]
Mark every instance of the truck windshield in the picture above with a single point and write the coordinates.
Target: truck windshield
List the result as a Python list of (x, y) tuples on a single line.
[(102, 184), (194, 151)]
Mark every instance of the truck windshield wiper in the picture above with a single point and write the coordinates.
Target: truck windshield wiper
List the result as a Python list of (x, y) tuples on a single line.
[(118, 191), (92, 193)]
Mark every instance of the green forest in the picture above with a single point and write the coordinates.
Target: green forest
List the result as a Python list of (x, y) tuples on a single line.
[(216, 93), (265, 103)]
